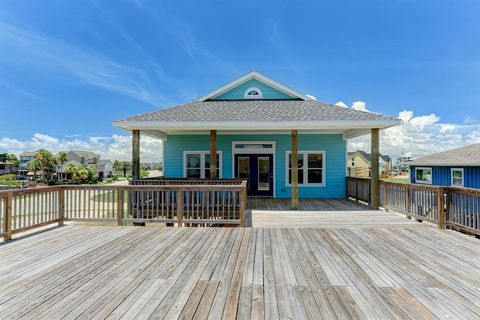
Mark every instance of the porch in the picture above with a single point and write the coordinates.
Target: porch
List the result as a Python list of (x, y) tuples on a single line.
[(378, 272)]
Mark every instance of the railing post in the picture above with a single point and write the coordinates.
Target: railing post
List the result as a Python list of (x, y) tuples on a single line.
[(356, 189), (385, 196), (7, 221), (243, 205), (120, 201), (179, 206), (441, 208), (407, 202), (61, 206)]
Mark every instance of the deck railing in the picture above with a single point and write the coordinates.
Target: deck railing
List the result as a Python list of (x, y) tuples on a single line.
[(448, 207), (180, 205)]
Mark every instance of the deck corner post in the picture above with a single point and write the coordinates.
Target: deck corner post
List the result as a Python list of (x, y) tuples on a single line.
[(243, 204), (213, 154), (441, 208), (7, 221), (180, 206), (294, 154), (375, 170), (61, 206), (385, 196), (135, 154), (120, 201)]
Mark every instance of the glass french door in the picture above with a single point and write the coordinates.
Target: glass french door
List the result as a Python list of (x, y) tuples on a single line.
[(258, 170)]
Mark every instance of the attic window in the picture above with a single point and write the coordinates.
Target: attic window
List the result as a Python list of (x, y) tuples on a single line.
[(253, 93)]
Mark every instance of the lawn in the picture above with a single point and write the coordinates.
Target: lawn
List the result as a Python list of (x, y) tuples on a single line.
[(398, 179)]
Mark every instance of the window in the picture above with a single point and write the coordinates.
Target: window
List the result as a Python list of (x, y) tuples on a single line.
[(457, 177), (311, 166), (197, 164), (423, 175), (353, 161), (253, 93)]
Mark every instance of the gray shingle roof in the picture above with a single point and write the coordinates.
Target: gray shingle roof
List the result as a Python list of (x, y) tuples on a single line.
[(256, 110), (368, 156), (463, 156)]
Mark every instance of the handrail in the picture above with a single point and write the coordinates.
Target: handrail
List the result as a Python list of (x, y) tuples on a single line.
[(203, 205), (448, 207)]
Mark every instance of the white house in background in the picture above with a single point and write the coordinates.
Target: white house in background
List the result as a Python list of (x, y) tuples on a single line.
[(105, 168), (87, 158)]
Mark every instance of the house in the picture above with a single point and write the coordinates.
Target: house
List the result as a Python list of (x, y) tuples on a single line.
[(105, 168), (284, 142), (8, 167), (459, 167), (24, 159), (359, 164)]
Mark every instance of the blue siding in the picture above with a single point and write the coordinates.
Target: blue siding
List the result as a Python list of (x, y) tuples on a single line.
[(333, 145), (441, 176), (267, 91)]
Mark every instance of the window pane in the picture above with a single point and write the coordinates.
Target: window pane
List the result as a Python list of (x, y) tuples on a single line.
[(315, 160), (315, 176), (207, 173), (457, 182), (457, 173), (193, 173), (300, 160), (193, 161), (300, 176), (207, 160), (424, 175)]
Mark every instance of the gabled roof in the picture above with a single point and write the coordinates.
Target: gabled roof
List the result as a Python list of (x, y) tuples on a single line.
[(260, 77), (368, 156), (463, 156), (85, 153), (256, 112), (28, 154)]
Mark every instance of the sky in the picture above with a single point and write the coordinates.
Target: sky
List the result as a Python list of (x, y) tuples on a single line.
[(70, 68)]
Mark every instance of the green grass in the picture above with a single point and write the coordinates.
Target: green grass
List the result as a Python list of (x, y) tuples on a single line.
[(109, 196), (399, 179)]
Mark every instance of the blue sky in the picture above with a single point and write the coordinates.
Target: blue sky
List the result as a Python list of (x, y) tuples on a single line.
[(68, 68)]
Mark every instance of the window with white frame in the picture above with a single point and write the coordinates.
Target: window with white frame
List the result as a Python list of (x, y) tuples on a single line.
[(423, 175), (197, 164), (311, 168), (457, 177), (253, 93)]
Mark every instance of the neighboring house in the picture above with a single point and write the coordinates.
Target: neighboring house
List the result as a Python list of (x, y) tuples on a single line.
[(359, 164), (459, 167), (252, 122), (7, 167), (87, 158), (24, 159), (105, 168)]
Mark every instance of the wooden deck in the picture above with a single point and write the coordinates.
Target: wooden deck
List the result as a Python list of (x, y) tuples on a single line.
[(79, 271), (321, 213)]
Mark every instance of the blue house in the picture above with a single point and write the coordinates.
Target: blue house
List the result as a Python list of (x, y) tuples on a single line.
[(459, 167), (254, 126)]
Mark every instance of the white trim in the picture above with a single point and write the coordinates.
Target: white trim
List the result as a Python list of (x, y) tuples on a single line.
[(257, 151), (258, 76), (423, 168), (451, 176), (256, 125), (202, 162), (305, 168), (258, 96), (253, 150)]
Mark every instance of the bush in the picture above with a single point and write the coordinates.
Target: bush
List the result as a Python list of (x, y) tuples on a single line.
[(7, 177)]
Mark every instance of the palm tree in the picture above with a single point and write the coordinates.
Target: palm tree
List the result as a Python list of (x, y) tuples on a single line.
[(34, 166), (117, 166), (72, 170), (47, 161), (61, 158), (125, 167)]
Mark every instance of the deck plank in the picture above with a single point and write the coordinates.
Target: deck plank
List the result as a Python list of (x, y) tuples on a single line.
[(343, 271)]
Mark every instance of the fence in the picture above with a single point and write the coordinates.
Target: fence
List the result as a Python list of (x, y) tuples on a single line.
[(174, 204), (450, 207)]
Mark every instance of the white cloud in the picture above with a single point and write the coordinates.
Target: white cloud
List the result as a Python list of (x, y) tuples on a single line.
[(360, 106), (341, 104), (116, 147), (469, 120), (420, 135)]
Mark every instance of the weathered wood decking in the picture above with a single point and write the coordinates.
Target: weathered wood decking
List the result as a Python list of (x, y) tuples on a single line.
[(85, 272)]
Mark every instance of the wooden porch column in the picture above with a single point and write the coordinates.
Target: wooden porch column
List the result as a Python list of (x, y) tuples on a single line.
[(213, 154), (375, 181), (135, 154), (294, 169)]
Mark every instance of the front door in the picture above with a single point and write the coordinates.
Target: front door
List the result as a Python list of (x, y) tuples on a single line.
[(258, 170)]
